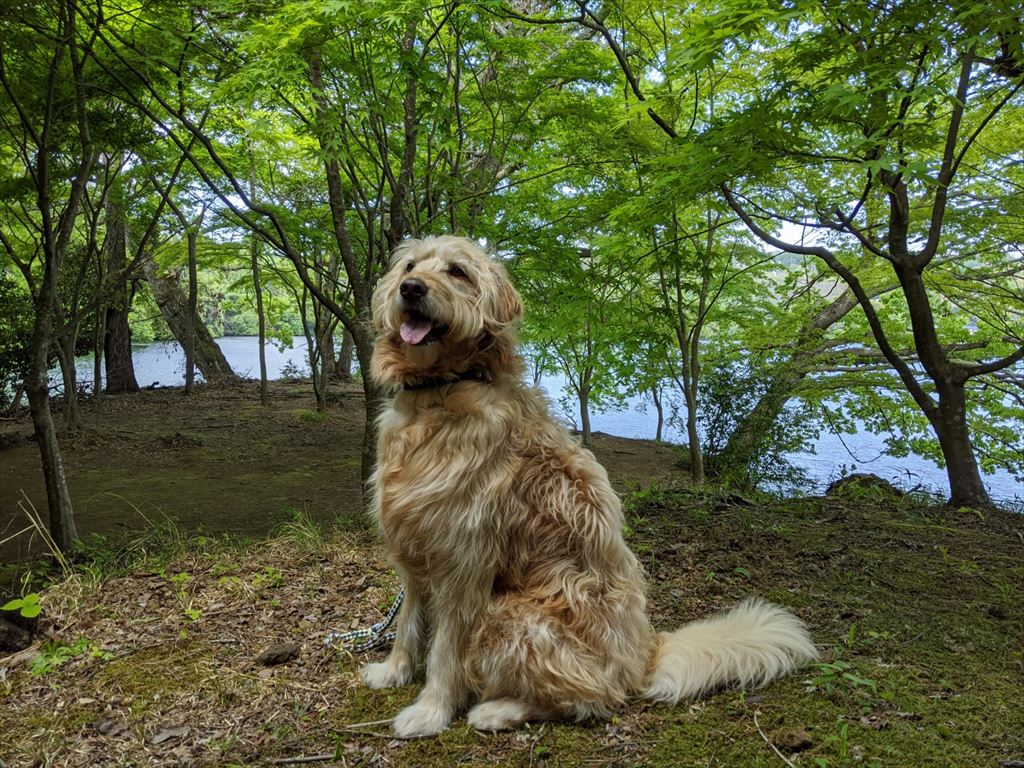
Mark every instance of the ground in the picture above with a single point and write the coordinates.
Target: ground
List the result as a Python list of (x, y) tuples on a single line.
[(150, 645), (145, 457)]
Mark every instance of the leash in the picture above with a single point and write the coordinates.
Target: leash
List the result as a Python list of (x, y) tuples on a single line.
[(372, 637)]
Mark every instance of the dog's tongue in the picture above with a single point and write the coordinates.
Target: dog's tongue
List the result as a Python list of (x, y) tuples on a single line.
[(414, 331)]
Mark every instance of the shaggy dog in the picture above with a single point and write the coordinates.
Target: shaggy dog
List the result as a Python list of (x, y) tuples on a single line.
[(507, 534)]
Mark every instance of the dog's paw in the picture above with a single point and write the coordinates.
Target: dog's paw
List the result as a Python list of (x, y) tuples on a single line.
[(499, 715), (387, 675), (424, 718)]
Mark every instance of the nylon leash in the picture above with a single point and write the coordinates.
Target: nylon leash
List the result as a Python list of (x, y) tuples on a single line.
[(376, 636)]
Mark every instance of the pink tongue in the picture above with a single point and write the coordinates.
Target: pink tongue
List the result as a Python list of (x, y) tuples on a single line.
[(414, 331)]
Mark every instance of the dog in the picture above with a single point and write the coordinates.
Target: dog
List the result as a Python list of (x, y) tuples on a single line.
[(506, 533)]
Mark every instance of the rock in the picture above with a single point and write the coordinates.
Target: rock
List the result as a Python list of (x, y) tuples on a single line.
[(281, 653), (796, 741), (12, 636), (864, 483)]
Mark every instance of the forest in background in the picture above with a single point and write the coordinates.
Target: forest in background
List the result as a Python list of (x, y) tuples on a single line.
[(737, 205)]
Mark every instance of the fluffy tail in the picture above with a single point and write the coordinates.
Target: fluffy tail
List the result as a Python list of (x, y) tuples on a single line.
[(751, 645)]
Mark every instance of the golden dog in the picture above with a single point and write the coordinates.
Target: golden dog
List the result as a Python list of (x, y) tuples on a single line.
[(507, 534)]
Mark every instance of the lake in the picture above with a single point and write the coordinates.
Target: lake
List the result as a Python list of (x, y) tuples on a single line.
[(163, 364)]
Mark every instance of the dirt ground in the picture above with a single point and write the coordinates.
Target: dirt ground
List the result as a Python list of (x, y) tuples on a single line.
[(148, 653), (219, 462)]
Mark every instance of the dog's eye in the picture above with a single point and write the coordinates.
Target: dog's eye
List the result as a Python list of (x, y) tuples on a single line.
[(456, 271), (409, 266)]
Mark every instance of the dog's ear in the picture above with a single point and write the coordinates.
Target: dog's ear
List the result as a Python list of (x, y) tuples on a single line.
[(506, 305)]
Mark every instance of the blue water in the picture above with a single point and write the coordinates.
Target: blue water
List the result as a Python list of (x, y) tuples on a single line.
[(163, 364)]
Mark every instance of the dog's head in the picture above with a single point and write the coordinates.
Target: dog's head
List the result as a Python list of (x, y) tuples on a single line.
[(442, 309)]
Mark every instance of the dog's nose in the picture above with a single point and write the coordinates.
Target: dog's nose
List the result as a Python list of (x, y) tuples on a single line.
[(413, 289)]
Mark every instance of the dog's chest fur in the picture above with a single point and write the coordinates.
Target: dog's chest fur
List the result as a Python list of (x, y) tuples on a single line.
[(442, 481)]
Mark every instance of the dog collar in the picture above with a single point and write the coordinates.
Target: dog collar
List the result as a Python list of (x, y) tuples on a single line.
[(473, 374)]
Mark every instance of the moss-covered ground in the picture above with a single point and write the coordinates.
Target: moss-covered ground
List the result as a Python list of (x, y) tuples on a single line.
[(149, 654)]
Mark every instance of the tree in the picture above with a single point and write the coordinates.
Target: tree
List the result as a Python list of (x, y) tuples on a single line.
[(46, 121), (894, 109), (409, 127), (870, 124)]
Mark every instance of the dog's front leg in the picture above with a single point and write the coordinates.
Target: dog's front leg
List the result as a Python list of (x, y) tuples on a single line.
[(400, 665), (446, 690)]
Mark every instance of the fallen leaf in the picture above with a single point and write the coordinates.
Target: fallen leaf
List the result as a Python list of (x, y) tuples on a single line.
[(167, 734)]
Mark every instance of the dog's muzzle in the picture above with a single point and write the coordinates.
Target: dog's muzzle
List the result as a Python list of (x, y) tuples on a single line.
[(418, 327)]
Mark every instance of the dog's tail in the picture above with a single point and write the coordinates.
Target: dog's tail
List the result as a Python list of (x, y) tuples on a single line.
[(749, 645)]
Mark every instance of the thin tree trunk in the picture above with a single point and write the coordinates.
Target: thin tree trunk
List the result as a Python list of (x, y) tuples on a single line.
[(584, 394), (692, 436), (324, 356), (374, 400), (118, 338), (260, 318), (656, 396), (690, 399), (254, 253), (311, 341), (65, 347), (100, 332), (343, 365), (192, 313), (19, 393), (61, 511)]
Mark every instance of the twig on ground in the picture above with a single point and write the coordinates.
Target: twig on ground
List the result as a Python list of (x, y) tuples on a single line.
[(768, 741), (379, 735), (369, 723), (304, 759)]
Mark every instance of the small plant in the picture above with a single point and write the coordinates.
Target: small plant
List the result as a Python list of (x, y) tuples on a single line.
[(28, 606), (312, 417), (269, 578), (178, 581), (53, 655), (837, 674), (841, 739), (193, 614), (301, 529)]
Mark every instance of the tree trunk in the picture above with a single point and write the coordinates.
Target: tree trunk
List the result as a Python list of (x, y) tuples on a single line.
[(254, 254), (192, 312), (585, 434), (656, 396), (374, 399), (117, 345), (966, 488), (689, 387), (742, 447), (97, 351), (260, 318), (751, 429), (61, 512), (325, 355), (174, 307), (69, 375), (343, 365), (15, 406), (692, 436)]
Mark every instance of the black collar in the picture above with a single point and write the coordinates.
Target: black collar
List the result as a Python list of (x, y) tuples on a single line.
[(473, 374)]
